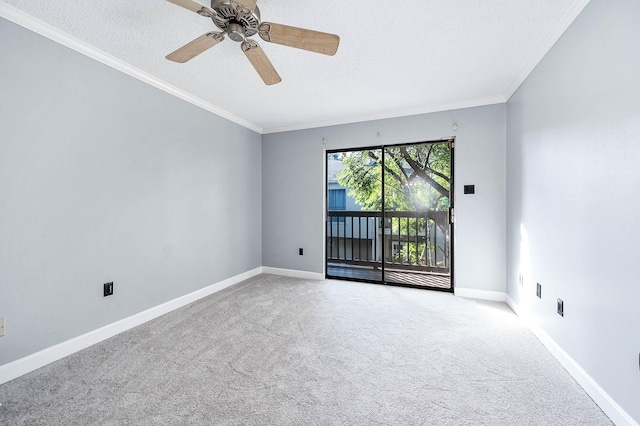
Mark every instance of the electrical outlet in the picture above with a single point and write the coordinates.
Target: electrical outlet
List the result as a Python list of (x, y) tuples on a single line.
[(1, 326), (301, 251), (539, 290), (560, 307), (108, 289)]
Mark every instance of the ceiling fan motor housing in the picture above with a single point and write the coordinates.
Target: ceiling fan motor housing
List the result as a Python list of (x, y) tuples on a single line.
[(237, 25)]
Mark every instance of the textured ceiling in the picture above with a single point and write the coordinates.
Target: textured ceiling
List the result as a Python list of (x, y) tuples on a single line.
[(395, 58)]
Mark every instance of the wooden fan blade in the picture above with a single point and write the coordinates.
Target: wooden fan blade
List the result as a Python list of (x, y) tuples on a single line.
[(261, 63), (300, 38), (194, 48), (194, 7), (249, 4)]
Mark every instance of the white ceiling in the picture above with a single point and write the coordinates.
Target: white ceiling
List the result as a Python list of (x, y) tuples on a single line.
[(395, 58)]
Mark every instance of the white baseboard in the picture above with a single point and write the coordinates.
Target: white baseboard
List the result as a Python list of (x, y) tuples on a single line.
[(472, 293), (46, 356), (305, 275), (616, 413), (37, 360)]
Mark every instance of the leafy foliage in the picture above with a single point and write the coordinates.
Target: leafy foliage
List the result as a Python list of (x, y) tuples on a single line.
[(417, 177)]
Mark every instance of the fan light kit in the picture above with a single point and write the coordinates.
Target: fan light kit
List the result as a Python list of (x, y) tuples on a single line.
[(239, 20)]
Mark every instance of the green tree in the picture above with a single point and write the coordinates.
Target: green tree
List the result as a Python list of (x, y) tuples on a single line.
[(417, 177)]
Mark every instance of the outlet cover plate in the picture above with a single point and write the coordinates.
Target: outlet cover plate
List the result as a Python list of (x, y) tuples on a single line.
[(108, 289)]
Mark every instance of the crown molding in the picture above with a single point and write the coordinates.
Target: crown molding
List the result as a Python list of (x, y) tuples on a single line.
[(27, 21), (572, 12), (425, 109)]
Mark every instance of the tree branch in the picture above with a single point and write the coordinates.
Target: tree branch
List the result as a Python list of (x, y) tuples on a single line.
[(421, 173)]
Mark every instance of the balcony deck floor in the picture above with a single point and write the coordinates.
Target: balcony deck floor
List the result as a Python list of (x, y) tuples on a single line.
[(413, 278)]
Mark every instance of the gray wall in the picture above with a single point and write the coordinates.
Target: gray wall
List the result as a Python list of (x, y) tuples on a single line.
[(293, 194), (105, 178), (573, 151)]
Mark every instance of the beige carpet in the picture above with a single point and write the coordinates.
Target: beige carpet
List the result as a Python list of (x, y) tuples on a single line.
[(283, 351)]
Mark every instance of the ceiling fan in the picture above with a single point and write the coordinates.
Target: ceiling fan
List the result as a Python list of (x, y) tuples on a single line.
[(239, 20)]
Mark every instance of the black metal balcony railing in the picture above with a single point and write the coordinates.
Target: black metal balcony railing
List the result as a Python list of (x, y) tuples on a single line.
[(417, 241)]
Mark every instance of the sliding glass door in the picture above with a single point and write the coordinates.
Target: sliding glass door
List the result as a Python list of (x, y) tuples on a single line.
[(388, 211), (417, 199), (354, 214)]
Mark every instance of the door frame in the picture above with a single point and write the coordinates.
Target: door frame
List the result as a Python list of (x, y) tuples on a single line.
[(451, 141)]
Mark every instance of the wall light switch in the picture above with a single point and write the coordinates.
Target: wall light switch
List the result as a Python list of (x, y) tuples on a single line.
[(1, 327)]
